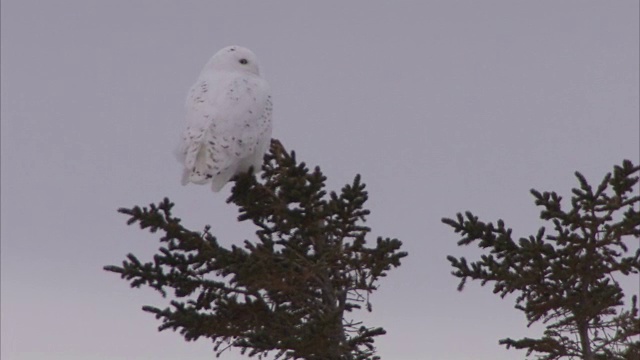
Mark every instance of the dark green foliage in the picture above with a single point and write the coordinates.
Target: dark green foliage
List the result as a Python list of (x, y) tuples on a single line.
[(287, 292), (567, 280)]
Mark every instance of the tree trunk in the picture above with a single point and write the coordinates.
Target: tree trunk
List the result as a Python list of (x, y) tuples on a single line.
[(585, 343)]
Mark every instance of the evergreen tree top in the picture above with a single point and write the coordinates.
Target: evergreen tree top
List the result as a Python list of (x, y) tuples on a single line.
[(567, 279), (287, 292)]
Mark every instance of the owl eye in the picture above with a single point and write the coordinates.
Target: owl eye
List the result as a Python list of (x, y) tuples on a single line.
[(243, 61)]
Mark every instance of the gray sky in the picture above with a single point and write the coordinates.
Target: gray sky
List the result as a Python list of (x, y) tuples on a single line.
[(442, 106)]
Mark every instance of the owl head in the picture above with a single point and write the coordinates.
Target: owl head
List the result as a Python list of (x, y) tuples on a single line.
[(234, 58)]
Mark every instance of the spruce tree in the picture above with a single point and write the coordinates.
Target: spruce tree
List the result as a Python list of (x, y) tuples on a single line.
[(288, 292), (568, 279)]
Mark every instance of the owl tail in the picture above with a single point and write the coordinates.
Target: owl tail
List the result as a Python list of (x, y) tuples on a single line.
[(220, 180)]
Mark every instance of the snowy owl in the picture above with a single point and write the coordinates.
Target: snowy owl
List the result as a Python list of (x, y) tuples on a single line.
[(228, 119)]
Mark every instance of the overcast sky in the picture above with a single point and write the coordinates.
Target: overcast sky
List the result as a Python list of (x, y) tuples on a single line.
[(442, 106)]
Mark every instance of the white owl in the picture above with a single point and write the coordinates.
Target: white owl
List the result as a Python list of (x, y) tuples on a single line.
[(228, 119)]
